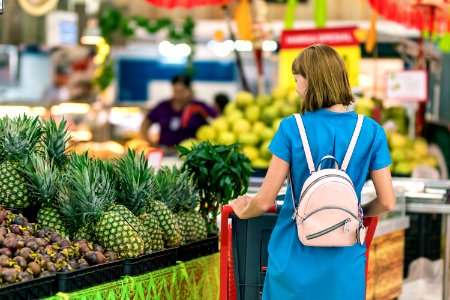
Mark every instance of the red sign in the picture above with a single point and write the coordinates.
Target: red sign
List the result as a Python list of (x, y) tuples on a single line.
[(295, 39)]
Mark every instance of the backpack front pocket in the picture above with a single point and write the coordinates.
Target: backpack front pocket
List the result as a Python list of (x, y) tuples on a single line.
[(328, 225), (343, 223)]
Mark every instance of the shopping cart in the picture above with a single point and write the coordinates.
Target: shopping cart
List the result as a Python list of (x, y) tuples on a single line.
[(244, 255)]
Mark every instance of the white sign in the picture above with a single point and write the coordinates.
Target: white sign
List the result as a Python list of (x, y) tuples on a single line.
[(61, 28), (408, 85)]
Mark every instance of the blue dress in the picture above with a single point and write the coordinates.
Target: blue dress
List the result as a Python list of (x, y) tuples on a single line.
[(298, 272)]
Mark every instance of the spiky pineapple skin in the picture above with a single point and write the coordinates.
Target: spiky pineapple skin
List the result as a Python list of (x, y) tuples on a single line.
[(168, 223), (49, 217), (150, 222), (13, 191), (193, 226), (115, 233), (137, 225), (85, 233)]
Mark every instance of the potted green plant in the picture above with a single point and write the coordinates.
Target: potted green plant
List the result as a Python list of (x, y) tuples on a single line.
[(220, 173)]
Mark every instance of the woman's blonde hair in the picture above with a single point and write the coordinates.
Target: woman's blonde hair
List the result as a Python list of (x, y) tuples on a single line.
[(327, 78)]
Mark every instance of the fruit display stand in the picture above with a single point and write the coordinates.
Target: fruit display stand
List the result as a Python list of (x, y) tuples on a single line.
[(194, 279)]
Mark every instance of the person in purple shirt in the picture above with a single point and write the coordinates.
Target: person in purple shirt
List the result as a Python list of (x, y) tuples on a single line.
[(178, 117)]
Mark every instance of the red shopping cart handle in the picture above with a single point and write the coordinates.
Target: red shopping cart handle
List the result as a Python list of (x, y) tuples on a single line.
[(225, 248)]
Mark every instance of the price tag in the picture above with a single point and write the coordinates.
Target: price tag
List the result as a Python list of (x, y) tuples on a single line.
[(155, 157)]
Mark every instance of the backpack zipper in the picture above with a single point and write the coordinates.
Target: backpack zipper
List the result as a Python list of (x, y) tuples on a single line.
[(320, 178), (329, 207), (329, 229)]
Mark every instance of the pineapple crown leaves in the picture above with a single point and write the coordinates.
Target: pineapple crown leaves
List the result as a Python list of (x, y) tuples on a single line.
[(19, 137), (42, 179), (134, 181), (89, 191), (54, 141), (166, 185), (176, 189), (221, 171)]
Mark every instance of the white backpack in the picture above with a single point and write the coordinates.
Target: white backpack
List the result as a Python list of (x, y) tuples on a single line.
[(328, 214)]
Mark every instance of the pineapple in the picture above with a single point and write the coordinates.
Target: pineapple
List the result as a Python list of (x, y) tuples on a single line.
[(133, 183), (90, 203), (43, 183), (55, 141), (183, 202), (18, 140), (43, 174), (162, 188)]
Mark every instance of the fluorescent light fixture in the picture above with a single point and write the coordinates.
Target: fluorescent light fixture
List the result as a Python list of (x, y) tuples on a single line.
[(269, 46), (221, 49), (169, 50), (243, 46), (70, 109)]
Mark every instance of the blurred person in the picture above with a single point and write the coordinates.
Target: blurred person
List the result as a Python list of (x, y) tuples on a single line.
[(178, 117), (296, 271), (220, 101)]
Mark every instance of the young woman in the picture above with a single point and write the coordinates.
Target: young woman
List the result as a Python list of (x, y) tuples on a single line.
[(296, 271)]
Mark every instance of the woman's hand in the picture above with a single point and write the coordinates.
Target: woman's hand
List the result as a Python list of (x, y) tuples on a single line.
[(240, 204)]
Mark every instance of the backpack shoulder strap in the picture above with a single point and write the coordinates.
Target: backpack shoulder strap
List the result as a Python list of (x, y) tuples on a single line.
[(304, 138), (351, 147)]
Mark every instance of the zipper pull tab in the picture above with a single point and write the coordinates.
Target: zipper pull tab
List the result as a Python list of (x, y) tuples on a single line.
[(346, 225)]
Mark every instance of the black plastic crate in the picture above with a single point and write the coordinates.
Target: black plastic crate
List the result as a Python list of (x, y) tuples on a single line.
[(422, 238), (29, 290), (150, 262), (90, 276), (205, 247)]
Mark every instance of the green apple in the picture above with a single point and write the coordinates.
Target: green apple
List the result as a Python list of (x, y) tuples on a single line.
[(220, 124), (243, 99), (263, 100), (288, 110), (206, 133), (251, 152), (266, 133), (258, 126), (234, 116), (188, 143), (276, 124), (260, 163), (264, 152), (230, 108), (269, 114), (403, 168), (248, 138), (279, 92), (252, 113), (240, 126), (226, 138)]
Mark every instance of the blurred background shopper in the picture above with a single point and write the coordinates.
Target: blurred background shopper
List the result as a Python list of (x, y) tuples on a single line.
[(178, 117)]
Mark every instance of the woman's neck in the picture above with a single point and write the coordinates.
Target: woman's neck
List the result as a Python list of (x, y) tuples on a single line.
[(337, 108)]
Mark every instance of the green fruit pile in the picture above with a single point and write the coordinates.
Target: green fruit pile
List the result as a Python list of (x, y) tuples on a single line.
[(252, 122), (408, 153)]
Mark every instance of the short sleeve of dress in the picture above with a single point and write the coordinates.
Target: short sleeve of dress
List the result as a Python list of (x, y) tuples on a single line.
[(380, 156), (280, 145)]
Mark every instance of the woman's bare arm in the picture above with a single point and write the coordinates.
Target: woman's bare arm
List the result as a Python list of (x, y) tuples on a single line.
[(385, 200)]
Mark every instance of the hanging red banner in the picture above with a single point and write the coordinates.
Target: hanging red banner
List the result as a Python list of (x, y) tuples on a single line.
[(186, 3)]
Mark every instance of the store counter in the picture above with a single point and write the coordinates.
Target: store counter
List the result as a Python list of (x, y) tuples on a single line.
[(431, 197)]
